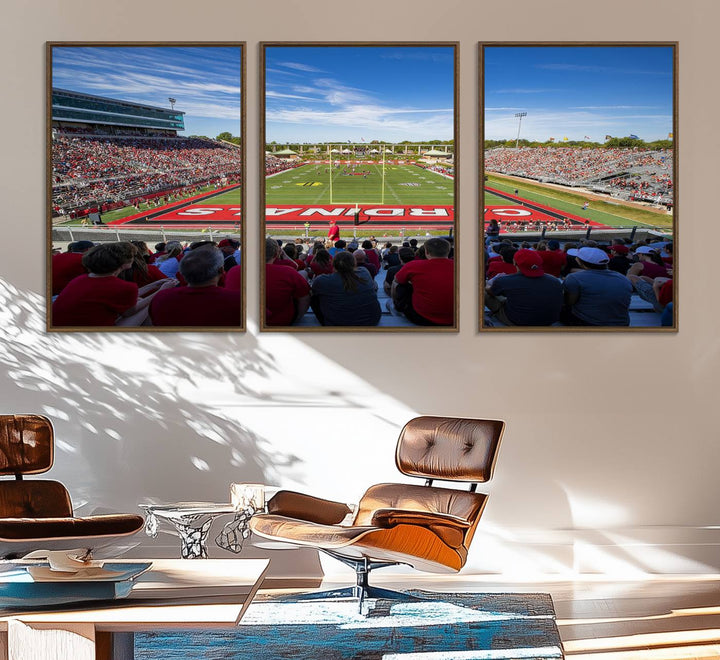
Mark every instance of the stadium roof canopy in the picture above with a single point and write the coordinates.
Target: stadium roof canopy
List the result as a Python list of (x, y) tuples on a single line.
[(285, 152), (435, 152), (78, 108)]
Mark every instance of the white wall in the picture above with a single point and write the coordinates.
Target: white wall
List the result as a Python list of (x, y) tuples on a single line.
[(611, 455)]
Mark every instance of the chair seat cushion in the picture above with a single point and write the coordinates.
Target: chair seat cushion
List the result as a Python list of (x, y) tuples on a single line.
[(304, 532), (417, 546), (23, 529)]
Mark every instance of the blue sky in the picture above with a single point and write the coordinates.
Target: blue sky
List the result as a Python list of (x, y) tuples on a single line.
[(578, 91), (386, 93), (205, 80)]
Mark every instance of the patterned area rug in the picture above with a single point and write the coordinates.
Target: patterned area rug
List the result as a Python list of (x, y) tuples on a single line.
[(430, 626)]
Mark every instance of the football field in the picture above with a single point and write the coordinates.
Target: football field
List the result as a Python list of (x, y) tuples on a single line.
[(361, 183)]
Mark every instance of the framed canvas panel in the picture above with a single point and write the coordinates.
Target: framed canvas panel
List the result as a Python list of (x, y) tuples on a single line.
[(359, 150), (145, 180), (579, 187)]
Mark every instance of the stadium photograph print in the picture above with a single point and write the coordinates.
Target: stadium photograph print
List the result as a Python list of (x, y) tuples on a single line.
[(359, 147), (579, 187), (145, 171)]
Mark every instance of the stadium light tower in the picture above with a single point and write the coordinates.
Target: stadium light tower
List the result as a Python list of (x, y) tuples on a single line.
[(519, 116), (172, 102)]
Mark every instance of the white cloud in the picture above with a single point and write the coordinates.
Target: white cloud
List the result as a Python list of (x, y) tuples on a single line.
[(300, 67)]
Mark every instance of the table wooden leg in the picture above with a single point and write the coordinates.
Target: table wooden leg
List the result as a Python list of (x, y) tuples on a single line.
[(114, 646)]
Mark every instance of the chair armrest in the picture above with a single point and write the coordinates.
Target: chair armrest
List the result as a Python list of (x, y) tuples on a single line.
[(451, 529), (306, 507), (392, 517)]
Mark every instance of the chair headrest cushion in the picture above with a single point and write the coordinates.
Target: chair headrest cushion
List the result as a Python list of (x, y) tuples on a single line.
[(26, 444), (449, 448)]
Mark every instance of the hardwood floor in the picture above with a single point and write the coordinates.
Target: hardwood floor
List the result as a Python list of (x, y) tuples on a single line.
[(658, 618)]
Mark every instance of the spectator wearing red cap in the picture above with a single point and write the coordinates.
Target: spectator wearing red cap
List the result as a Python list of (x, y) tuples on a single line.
[(529, 297), (596, 295), (619, 261), (287, 293), (202, 303), (228, 247)]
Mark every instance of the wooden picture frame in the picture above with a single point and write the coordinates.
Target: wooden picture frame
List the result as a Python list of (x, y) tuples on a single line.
[(113, 144), (566, 185), (321, 87)]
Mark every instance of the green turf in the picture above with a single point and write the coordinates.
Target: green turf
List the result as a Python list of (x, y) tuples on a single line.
[(615, 215), (230, 197), (310, 184)]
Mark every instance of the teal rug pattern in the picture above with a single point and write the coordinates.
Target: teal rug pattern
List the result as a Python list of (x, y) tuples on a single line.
[(426, 626)]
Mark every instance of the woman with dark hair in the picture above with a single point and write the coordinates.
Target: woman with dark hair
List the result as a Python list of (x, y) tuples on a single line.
[(373, 256), (321, 263), (347, 297), (141, 272)]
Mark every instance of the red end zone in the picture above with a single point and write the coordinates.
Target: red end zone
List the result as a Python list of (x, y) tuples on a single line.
[(293, 216), (379, 215)]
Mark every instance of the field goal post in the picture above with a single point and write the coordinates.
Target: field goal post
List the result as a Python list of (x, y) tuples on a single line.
[(382, 177)]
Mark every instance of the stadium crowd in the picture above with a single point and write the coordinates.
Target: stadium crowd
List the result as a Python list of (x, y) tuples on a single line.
[(127, 284), (577, 284), (629, 173), (89, 169), (273, 164), (339, 282)]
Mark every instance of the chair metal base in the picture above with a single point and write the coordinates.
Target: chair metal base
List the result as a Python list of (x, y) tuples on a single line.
[(362, 590), (353, 593)]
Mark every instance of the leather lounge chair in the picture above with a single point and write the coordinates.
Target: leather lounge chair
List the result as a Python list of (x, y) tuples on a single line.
[(428, 527), (37, 514)]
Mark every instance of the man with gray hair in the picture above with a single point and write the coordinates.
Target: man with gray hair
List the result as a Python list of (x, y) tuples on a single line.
[(202, 302)]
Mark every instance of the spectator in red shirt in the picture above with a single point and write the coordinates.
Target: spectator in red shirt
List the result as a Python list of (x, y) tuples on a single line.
[(432, 279), (101, 298), (553, 258), (321, 263), (373, 256), (202, 302), (504, 264), (649, 265), (334, 231), (66, 266), (287, 293)]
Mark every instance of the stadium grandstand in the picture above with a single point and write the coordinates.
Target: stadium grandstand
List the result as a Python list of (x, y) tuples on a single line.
[(108, 154), (631, 174)]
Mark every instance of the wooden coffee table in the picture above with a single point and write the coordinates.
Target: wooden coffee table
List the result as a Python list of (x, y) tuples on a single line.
[(174, 593)]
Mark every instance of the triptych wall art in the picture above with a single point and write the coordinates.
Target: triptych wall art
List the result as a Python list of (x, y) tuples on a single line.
[(359, 152)]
